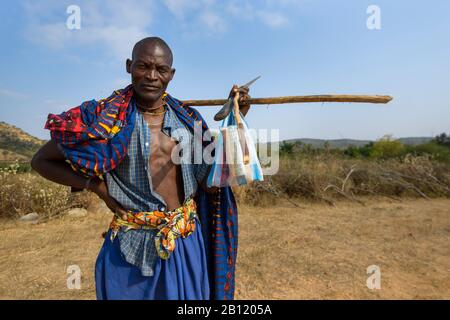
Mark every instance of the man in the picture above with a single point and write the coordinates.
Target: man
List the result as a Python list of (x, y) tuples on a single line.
[(170, 238)]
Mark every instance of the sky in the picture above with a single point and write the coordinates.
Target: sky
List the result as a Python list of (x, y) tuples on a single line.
[(299, 47)]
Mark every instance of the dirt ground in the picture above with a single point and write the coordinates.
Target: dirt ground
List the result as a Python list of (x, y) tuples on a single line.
[(312, 252)]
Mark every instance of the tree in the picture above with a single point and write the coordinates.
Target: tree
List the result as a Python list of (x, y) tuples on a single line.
[(287, 148), (443, 139)]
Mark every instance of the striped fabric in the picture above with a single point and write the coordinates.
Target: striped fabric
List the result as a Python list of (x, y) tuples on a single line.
[(95, 137), (236, 161), (88, 133)]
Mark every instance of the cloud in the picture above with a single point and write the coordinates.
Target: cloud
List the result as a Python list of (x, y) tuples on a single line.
[(213, 22), (267, 14), (241, 9), (273, 19), (198, 15), (180, 8), (113, 26), (7, 93)]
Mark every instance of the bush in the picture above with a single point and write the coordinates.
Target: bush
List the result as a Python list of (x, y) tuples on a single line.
[(437, 151), (327, 178), (22, 193), (387, 148), (359, 152)]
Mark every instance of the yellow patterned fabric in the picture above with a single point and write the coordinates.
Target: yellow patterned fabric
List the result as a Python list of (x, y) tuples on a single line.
[(171, 225)]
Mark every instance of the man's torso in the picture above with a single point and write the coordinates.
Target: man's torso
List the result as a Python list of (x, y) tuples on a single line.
[(167, 179)]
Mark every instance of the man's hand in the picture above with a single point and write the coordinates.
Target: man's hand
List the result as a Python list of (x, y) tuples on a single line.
[(204, 186), (243, 98), (99, 187)]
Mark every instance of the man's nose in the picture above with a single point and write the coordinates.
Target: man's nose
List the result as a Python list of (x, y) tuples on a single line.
[(151, 75)]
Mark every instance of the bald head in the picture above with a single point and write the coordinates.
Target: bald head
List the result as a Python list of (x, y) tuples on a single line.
[(151, 69), (150, 44)]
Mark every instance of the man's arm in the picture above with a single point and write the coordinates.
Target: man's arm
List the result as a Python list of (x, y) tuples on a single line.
[(243, 97), (51, 164)]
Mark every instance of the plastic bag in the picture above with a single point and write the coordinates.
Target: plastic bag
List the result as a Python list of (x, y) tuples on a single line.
[(236, 161)]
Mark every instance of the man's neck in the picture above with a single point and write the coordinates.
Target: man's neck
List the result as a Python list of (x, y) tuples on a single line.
[(153, 106)]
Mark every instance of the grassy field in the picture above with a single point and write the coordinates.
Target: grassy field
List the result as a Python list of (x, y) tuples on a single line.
[(316, 251)]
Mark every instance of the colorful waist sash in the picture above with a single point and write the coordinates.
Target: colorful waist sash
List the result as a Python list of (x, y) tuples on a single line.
[(171, 225)]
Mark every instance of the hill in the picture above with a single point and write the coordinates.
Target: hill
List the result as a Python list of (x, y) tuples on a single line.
[(16, 144), (344, 143)]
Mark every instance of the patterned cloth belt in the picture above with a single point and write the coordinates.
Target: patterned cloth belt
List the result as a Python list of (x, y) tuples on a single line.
[(171, 225)]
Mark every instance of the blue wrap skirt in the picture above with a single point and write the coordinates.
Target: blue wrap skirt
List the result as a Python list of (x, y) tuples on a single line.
[(183, 276)]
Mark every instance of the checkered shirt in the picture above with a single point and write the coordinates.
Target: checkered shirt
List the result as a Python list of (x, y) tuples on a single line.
[(131, 185)]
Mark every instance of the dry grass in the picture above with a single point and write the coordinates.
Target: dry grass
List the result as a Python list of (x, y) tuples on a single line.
[(322, 252), (322, 178), (22, 193), (312, 252), (328, 178), (34, 258)]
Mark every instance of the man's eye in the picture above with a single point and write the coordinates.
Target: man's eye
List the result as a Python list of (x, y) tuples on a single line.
[(163, 70)]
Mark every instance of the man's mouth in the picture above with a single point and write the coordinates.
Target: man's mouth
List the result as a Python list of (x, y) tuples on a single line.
[(150, 87)]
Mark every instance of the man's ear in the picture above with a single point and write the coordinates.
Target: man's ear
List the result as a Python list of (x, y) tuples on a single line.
[(172, 73), (128, 65)]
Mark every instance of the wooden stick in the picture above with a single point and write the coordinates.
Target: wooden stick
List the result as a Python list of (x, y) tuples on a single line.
[(297, 99)]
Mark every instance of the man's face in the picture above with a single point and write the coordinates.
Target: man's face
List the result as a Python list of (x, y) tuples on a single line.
[(151, 72)]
